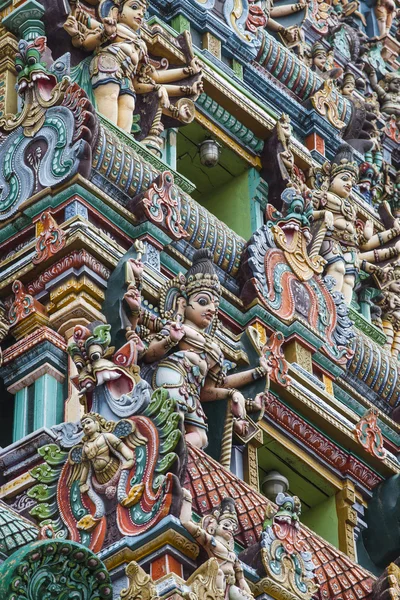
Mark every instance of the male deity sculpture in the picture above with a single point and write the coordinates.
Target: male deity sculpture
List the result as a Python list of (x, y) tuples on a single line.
[(388, 92), (349, 245), (121, 68), (216, 536), (184, 357), (389, 303), (102, 463)]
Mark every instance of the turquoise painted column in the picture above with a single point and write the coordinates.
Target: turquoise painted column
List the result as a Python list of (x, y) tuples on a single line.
[(20, 426), (36, 379), (48, 404)]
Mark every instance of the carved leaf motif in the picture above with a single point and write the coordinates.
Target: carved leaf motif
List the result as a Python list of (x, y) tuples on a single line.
[(203, 582), (141, 585)]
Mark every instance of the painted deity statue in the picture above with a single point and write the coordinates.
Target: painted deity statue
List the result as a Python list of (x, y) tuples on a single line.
[(388, 92), (346, 246), (216, 535), (185, 358), (321, 62), (121, 67), (102, 463), (385, 11), (389, 303)]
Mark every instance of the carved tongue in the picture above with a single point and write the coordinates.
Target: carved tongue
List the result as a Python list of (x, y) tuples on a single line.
[(120, 386), (45, 86)]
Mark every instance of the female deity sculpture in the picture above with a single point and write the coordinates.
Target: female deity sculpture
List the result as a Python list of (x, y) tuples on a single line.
[(348, 246), (184, 358), (102, 463), (121, 67), (215, 535)]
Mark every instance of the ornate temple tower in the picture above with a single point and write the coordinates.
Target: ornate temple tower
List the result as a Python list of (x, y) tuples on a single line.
[(199, 300)]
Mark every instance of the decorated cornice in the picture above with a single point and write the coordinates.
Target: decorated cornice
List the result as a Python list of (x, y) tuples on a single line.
[(328, 451)]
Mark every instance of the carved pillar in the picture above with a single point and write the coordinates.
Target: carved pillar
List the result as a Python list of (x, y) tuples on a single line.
[(8, 49), (250, 461), (296, 352), (25, 21), (347, 516), (34, 371), (212, 44)]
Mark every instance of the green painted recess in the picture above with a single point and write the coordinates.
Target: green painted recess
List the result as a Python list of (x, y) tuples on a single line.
[(225, 189), (323, 520), (316, 493), (231, 204)]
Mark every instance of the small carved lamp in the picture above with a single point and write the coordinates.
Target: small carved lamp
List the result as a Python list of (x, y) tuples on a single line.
[(209, 153), (273, 484)]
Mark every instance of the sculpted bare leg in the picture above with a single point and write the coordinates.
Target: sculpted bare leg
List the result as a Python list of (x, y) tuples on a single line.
[(337, 271), (107, 101), (348, 287), (126, 106)]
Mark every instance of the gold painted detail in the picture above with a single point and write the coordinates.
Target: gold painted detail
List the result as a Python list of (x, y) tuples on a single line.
[(296, 254), (325, 104), (141, 585), (347, 517)]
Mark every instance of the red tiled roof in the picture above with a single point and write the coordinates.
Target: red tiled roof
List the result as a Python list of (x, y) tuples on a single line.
[(338, 576)]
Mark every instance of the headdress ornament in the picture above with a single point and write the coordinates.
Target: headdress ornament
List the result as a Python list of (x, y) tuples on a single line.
[(344, 162), (226, 509), (318, 48), (201, 274)]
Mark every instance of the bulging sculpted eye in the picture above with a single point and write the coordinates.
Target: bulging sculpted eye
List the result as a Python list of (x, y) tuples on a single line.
[(95, 356), (79, 365), (202, 301)]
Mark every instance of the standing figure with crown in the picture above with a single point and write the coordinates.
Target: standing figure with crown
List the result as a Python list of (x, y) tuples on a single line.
[(121, 68), (348, 244), (186, 359), (215, 534)]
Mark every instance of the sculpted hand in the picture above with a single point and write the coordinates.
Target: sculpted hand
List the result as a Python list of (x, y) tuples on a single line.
[(265, 364), (241, 427), (133, 298), (368, 229), (71, 26), (110, 27), (137, 267), (328, 219), (176, 332), (84, 488), (238, 405), (164, 98), (195, 65)]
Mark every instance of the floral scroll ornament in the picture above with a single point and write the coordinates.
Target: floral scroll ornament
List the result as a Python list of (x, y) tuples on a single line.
[(160, 204), (54, 570), (325, 104), (369, 434), (50, 240), (24, 304)]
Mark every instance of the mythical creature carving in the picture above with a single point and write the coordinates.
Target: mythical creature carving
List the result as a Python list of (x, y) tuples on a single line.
[(281, 264), (51, 138), (216, 535), (112, 388), (282, 553), (121, 68)]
